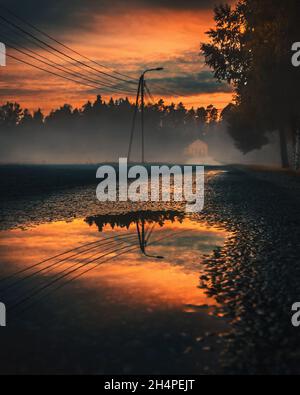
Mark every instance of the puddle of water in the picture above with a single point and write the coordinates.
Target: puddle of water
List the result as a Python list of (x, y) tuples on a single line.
[(145, 297), (131, 277)]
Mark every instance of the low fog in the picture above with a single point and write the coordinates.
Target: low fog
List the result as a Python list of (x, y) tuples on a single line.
[(100, 132)]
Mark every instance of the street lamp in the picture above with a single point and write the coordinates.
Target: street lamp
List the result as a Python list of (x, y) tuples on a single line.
[(149, 70), (140, 94), (142, 83)]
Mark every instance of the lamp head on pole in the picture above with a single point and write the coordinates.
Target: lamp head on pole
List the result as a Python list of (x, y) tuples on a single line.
[(155, 69)]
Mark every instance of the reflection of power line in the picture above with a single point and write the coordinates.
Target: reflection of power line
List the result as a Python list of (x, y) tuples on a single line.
[(63, 261), (149, 232), (63, 254), (122, 251), (103, 253), (68, 280), (144, 239), (73, 270)]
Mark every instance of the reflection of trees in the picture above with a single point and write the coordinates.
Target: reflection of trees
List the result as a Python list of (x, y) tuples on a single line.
[(145, 222), (130, 218)]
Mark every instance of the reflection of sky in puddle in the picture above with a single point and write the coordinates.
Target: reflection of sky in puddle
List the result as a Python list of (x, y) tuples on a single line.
[(137, 280)]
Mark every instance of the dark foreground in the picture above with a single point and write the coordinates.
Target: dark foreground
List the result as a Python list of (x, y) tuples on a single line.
[(255, 277)]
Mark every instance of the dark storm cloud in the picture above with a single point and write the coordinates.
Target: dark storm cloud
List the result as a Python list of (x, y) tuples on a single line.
[(185, 85), (191, 84), (179, 4), (65, 14), (21, 92)]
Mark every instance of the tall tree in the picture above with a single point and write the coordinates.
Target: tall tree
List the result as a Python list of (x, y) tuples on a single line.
[(250, 48), (10, 115)]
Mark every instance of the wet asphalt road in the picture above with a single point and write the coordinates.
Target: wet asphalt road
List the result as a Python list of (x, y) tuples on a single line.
[(255, 276)]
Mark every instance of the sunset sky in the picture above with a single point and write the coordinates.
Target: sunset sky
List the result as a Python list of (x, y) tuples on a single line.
[(126, 36)]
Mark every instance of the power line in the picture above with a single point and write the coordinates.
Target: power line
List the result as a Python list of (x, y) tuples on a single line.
[(78, 62), (50, 72), (66, 71), (60, 52), (149, 94), (37, 44), (63, 45), (62, 67), (167, 90), (127, 79)]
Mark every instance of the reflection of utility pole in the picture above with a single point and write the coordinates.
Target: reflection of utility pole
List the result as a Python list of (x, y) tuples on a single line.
[(140, 96), (144, 240)]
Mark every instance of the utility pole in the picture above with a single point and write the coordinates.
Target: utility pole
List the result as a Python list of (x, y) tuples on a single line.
[(140, 98), (136, 108), (143, 115)]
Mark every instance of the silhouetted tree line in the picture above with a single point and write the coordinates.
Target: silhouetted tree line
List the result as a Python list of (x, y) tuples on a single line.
[(12, 116), (101, 126), (250, 48)]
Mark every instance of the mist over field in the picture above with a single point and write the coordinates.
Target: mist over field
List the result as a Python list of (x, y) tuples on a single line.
[(100, 132)]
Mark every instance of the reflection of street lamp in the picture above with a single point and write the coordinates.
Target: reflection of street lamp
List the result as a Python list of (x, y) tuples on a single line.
[(140, 94), (154, 256)]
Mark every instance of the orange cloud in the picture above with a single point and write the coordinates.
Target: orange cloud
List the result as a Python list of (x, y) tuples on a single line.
[(128, 42)]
